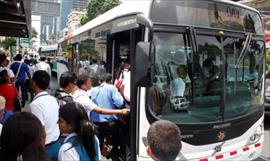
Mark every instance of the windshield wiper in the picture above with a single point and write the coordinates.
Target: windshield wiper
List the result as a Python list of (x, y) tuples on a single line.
[(241, 57), (244, 50)]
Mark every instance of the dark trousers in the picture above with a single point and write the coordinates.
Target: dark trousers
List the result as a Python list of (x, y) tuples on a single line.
[(110, 131), (29, 90), (23, 88), (125, 136)]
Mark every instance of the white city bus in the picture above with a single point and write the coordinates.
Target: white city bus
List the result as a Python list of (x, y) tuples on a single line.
[(219, 48)]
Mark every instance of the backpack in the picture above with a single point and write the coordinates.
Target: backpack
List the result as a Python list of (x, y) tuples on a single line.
[(63, 97), (79, 148)]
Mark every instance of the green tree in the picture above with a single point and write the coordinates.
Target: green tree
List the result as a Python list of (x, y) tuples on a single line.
[(9, 42), (97, 7), (34, 33)]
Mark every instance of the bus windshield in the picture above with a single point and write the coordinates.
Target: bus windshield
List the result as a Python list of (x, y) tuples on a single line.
[(205, 86)]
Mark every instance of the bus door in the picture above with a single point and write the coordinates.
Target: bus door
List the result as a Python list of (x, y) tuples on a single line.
[(120, 50)]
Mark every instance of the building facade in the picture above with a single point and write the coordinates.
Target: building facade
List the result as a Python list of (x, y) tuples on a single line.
[(66, 7), (79, 5)]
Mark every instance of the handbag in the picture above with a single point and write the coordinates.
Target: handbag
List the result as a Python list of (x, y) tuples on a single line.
[(17, 104), (106, 147)]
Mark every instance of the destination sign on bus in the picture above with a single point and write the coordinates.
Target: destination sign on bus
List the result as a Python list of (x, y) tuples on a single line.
[(207, 14)]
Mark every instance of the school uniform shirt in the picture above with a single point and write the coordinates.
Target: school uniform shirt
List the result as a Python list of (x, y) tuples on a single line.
[(46, 108), (106, 96), (126, 84), (66, 153), (82, 97)]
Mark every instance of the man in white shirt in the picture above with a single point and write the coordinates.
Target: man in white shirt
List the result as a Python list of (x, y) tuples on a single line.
[(42, 65), (46, 108), (81, 96), (179, 86)]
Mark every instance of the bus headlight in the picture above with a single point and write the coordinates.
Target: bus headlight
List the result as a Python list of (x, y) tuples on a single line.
[(260, 129), (256, 136)]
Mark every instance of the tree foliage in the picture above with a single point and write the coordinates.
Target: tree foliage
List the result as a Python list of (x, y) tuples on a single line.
[(9, 42), (97, 7), (34, 33)]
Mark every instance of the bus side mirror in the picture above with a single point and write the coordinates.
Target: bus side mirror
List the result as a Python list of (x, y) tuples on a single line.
[(142, 64)]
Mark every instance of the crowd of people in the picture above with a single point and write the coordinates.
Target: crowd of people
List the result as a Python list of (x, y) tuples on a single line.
[(84, 120)]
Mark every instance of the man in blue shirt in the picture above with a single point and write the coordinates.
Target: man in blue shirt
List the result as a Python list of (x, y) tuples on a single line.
[(19, 69), (107, 96)]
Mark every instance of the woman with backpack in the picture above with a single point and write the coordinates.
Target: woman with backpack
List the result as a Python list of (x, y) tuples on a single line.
[(81, 144)]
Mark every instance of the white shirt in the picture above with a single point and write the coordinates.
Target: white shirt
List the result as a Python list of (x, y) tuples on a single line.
[(9, 71), (46, 108), (126, 84), (66, 153), (178, 86), (82, 97), (1, 127), (31, 71), (43, 66), (94, 67)]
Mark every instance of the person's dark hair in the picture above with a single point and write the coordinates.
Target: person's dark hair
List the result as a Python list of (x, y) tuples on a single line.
[(19, 57), (67, 78), (41, 79), (75, 115), (3, 57), (95, 81), (106, 77), (94, 61), (164, 139), (22, 134), (42, 58), (27, 61), (82, 79), (4, 78)]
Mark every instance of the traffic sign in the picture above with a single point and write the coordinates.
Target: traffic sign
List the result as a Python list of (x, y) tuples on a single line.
[(24, 41)]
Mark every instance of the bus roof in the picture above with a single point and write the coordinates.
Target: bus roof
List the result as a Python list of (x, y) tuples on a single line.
[(131, 7), (125, 8)]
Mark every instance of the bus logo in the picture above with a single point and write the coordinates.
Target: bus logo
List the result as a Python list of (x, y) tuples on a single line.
[(221, 135)]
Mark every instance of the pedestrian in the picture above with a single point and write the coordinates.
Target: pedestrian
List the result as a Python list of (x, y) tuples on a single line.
[(81, 144), (31, 71), (21, 69), (12, 101), (4, 66), (22, 139), (67, 88), (46, 108), (81, 96), (107, 96), (42, 65), (164, 141)]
